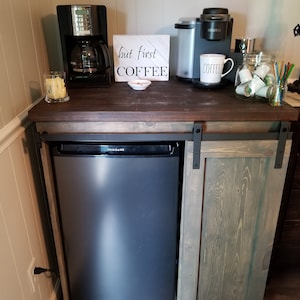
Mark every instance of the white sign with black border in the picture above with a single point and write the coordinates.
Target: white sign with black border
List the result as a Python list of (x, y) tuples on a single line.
[(141, 57)]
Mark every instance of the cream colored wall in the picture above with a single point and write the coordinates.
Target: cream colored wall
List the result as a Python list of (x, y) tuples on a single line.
[(24, 57), (23, 60), (21, 233), (271, 22)]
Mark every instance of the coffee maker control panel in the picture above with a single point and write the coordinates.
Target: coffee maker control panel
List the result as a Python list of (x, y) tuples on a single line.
[(82, 20)]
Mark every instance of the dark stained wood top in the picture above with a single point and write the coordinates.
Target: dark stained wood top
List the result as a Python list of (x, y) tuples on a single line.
[(162, 101)]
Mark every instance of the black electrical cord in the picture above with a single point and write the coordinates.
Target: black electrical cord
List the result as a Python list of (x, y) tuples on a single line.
[(39, 270)]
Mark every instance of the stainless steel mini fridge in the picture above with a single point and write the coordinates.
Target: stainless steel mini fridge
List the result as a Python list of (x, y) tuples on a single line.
[(119, 212)]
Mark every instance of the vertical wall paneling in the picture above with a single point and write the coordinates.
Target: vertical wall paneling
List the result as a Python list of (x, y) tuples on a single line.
[(6, 108), (24, 57), (21, 223), (12, 57), (14, 220), (10, 281)]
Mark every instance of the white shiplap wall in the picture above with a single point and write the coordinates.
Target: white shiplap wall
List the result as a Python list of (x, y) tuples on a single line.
[(23, 54), (24, 57), (271, 22), (23, 60), (21, 234)]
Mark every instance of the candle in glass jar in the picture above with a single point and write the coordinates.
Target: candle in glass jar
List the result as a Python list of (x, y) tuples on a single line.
[(55, 87)]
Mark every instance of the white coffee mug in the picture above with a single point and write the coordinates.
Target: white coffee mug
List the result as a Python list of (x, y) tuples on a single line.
[(211, 68)]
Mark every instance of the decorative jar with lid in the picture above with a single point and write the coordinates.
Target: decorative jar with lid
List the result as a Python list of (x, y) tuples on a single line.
[(255, 77)]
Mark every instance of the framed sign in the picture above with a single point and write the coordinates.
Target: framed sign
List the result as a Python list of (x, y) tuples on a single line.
[(141, 57)]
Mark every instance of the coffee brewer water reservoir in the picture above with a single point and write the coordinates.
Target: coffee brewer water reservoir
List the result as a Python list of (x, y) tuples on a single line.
[(83, 33), (186, 38)]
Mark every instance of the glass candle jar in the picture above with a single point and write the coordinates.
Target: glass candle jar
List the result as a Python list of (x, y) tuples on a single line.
[(255, 77), (55, 87)]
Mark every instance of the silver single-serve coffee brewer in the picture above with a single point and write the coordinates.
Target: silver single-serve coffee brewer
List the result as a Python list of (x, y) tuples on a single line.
[(211, 33)]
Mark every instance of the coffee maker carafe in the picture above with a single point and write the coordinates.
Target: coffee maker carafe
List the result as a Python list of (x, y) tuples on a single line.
[(83, 33)]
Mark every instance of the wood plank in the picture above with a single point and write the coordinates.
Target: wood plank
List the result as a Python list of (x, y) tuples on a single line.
[(293, 207), (284, 284), (157, 127), (265, 231), (290, 236), (190, 227), (241, 200), (231, 202), (162, 101)]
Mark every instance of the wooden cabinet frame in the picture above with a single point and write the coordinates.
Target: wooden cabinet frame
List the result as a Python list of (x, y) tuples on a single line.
[(229, 206)]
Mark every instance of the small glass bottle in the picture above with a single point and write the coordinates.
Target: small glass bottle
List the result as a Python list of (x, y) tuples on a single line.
[(255, 77)]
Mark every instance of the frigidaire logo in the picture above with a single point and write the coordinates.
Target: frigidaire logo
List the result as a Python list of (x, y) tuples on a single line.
[(116, 149), (214, 30)]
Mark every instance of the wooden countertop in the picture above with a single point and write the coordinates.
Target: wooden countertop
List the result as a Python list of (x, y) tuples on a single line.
[(162, 101)]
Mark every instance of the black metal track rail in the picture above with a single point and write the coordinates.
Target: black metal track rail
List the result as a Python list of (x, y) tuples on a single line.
[(197, 136)]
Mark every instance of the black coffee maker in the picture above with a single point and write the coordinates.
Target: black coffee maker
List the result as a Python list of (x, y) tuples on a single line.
[(83, 34), (213, 33)]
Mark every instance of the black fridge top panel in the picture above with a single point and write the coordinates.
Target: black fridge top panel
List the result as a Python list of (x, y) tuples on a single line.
[(115, 149)]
